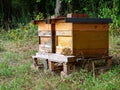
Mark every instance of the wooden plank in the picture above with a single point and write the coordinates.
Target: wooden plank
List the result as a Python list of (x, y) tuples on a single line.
[(90, 52), (90, 27), (63, 26), (53, 21), (64, 41), (55, 57), (64, 33), (44, 33), (43, 26), (90, 40), (45, 48), (46, 40), (93, 58), (76, 15)]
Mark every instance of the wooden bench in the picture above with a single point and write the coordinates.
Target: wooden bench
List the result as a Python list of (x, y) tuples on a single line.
[(50, 59), (67, 62)]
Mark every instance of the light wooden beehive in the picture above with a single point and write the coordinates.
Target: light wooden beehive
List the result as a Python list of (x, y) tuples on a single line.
[(84, 39), (81, 37), (46, 34)]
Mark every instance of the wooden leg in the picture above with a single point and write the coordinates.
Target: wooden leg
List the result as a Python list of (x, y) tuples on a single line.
[(35, 62), (108, 63), (35, 65), (45, 62), (93, 68), (87, 65), (51, 65), (68, 68)]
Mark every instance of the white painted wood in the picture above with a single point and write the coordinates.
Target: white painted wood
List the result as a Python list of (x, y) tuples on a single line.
[(54, 57)]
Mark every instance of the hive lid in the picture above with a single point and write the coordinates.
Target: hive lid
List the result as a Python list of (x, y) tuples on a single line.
[(75, 20), (88, 20)]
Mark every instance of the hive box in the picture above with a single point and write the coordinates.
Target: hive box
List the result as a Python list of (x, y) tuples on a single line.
[(81, 37), (46, 34)]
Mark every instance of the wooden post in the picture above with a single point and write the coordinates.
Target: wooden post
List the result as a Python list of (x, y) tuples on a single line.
[(45, 64), (35, 62), (68, 68), (53, 38), (51, 65), (39, 40), (93, 68), (108, 62)]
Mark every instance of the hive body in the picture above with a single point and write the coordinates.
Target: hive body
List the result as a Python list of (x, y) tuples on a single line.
[(81, 39)]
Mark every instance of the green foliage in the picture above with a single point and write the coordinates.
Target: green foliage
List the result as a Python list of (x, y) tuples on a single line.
[(1, 46), (39, 16), (67, 1), (38, 0), (23, 11), (108, 12), (23, 32)]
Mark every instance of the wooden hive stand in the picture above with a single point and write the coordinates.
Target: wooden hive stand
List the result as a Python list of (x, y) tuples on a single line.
[(50, 60)]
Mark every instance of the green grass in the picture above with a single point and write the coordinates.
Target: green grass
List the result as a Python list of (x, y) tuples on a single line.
[(5, 70), (16, 74)]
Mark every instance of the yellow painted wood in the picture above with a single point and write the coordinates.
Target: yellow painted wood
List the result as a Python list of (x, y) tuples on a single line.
[(63, 26), (43, 26), (64, 41)]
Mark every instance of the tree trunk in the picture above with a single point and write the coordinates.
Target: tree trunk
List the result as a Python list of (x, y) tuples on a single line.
[(58, 8)]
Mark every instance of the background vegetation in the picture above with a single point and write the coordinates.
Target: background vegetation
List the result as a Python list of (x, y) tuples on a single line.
[(13, 12), (18, 42)]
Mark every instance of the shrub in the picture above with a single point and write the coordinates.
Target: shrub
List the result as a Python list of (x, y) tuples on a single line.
[(23, 32)]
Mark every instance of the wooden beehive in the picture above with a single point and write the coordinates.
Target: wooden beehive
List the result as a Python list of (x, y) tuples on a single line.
[(46, 34), (85, 39), (81, 37)]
